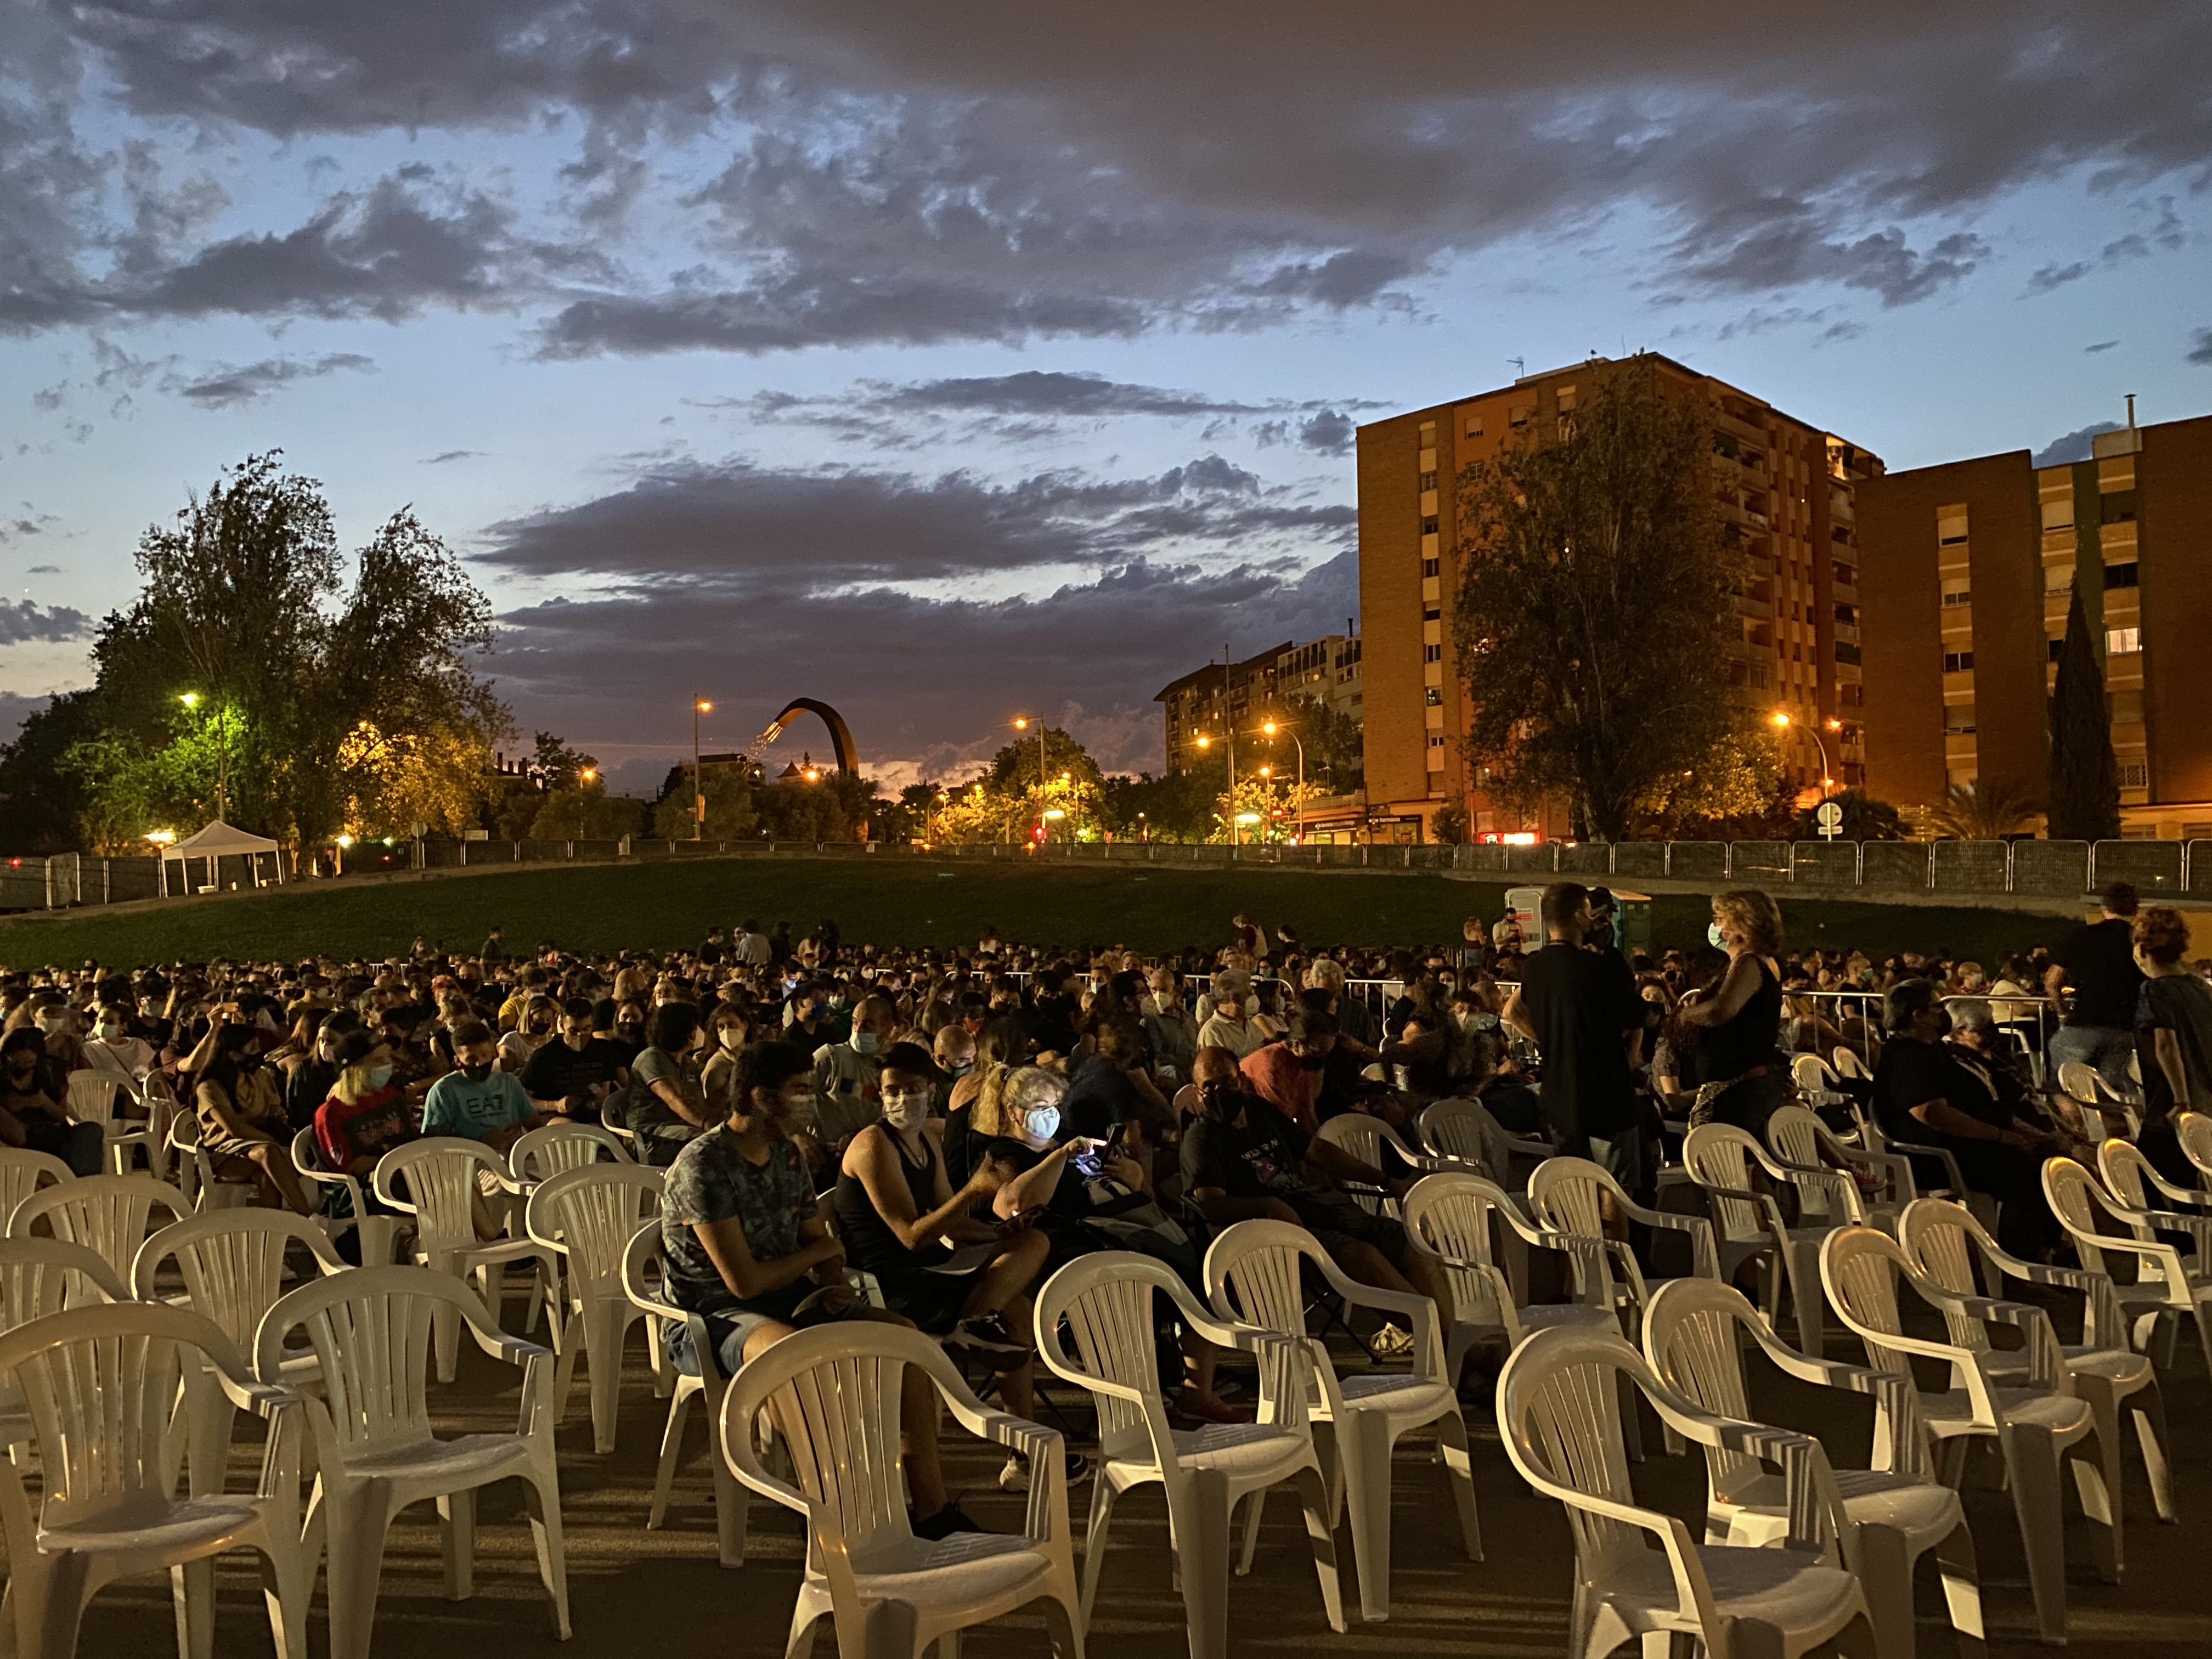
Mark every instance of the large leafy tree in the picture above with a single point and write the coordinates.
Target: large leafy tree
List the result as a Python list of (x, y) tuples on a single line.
[(247, 677), (1014, 769), (1595, 613), (2085, 775), (42, 802)]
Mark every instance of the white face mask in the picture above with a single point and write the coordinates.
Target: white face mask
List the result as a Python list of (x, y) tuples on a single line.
[(111, 1031), (50, 1023), (866, 1043), (379, 1076), (733, 1038), (908, 1110), (1043, 1122)]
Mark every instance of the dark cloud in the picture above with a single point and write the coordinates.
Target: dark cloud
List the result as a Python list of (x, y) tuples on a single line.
[(2101, 345), (444, 455), (743, 527), (1328, 433), (2200, 349), (2047, 277), (2074, 446), (880, 173), (41, 569), (228, 388), (1035, 392), (22, 623)]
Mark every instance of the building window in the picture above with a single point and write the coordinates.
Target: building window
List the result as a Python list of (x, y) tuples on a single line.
[(1433, 697), (1566, 395), (1959, 718), (1761, 677), (1520, 414), (1956, 592), (1428, 481), (2135, 775), (1846, 575), (2057, 578), (1957, 662), (1474, 426), (2123, 576), (1431, 613), (1430, 567), (1432, 653), (1950, 526), (1846, 651), (1848, 615), (2118, 508), (2057, 649), (1429, 526), (1435, 739), (2119, 641)]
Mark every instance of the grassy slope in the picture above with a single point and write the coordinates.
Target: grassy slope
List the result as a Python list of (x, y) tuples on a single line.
[(664, 906)]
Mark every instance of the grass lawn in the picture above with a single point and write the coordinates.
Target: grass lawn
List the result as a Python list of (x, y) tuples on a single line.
[(667, 906)]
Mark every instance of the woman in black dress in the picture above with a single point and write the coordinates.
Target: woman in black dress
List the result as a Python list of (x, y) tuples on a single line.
[(1740, 1074)]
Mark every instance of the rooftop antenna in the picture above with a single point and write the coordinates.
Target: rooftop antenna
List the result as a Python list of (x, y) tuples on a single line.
[(2131, 411), (1520, 366)]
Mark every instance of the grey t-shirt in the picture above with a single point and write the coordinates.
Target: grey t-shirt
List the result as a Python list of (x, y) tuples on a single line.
[(650, 1116)]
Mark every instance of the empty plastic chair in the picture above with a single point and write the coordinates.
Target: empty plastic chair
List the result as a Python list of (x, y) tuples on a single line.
[(2163, 1288), (92, 1099), (22, 1172), (586, 1215), (833, 1394), (1106, 1301), (1886, 1516), (2136, 1182), (1254, 1272), (1944, 1239), (98, 1387), (540, 1154), (438, 1173), (373, 1233), (1797, 1138), (641, 1271), (42, 1276), (110, 1215), (2194, 1130), (1570, 1195), (377, 1451), (1463, 1131), (1748, 1225), (2035, 1426), (1367, 1138), (1558, 1410)]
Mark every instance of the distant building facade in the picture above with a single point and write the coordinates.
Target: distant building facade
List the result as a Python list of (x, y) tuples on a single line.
[(1210, 702)]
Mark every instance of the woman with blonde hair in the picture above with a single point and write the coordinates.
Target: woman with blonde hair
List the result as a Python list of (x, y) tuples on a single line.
[(1741, 1075)]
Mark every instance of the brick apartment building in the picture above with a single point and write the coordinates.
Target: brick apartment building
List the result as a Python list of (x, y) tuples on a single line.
[(1787, 493), (1968, 568), (1208, 702)]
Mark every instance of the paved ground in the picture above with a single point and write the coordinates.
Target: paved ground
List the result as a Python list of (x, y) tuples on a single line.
[(650, 1595)]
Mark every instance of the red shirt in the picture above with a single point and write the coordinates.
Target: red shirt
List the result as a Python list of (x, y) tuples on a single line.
[(367, 1127)]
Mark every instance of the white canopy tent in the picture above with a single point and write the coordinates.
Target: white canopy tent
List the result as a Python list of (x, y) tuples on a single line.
[(217, 841)]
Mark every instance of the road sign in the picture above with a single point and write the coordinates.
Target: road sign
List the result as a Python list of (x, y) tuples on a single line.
[(1830, 817)]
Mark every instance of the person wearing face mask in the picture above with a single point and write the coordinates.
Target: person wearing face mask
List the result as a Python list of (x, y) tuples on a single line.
[(954, 1051), (1288, 1075), (569, 1076), (666, 1105), (115, 1049), (1170, 1028), (901, 1219), (1740, 1074), (243, 1133), (366, 1113), (474, 1101), (1231, 1026), (32, 1090), (1927, 1092), (729, 1028), (848, 1088), (808, 1021)]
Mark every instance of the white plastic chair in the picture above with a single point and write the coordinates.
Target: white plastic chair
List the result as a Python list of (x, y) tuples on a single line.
[(833, 1393), (2194, 1130), (1448, 1217), (438, 1173), (37, 1277), (1559, 1408), (1848, 1064), (1943, 1240), (642, 1267), (196, 1174), (109, 1214), (1463, 1131), (92, 1094), (2035, 1424), (1568, 1194), (1253, 1276), (376, 1450), (2085, 1086), (586, 1215), (1887, 1517), (1748, 1224), (1365, 1138), (1816, 1080), (2164, 1287), (374, 1233), (1106, 1299), (1797, 1138), (541, 1154), (98, 1386), (21, 1173), (2133, 1179)]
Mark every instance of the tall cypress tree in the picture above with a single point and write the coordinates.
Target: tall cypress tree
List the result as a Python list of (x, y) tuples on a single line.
[(2085, 777)]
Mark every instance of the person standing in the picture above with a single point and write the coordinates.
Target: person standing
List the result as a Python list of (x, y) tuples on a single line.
[(2097, 962), (2174, 1024), (1581, 1010), (1740, 1074)]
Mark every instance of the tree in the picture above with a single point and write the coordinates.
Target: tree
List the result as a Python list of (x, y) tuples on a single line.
[(1014, 769), (1335, 756), (1982, 810), (243, 678), (1178, 807), (734, 805), (1865, 818), (2085, 775), (1594, 618), (1450, 825), (42, 802), (587, 813)]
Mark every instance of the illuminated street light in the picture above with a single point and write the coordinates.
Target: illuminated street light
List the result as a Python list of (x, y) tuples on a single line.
[(1247, 817), (191, 699), (588, 774), (699, 705), (1056, 814), (1782, 723), (162, 837)]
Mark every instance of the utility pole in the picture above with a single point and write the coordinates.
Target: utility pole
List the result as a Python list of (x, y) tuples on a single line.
[(699, 705), (1229, 726)]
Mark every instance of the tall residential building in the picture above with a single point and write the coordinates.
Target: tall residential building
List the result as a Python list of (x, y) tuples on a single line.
[(1969, 568), (1207, 702), (1785, 490)]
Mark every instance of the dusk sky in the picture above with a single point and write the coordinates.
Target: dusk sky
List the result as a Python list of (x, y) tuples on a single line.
[(948, 361)]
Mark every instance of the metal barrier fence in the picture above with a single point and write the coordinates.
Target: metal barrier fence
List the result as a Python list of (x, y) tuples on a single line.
[(2049, 869)]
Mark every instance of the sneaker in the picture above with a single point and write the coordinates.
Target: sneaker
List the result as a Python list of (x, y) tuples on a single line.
[(1392, 1342), (985, 1337), (942, 1524), (1015, 1477)]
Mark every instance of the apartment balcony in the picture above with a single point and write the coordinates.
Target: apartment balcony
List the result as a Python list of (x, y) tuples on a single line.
[(1743, 431), (1750, 604), (1847, 633)]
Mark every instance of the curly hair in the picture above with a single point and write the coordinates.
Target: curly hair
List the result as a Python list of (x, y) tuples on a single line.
[(2161, 932), (1755, 915)]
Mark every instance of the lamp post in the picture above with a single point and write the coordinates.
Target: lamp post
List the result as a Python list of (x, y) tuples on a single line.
[(1205, 742), (1022, 723), (1271, 727), (191, 701), (699, 705), (1784, 722)]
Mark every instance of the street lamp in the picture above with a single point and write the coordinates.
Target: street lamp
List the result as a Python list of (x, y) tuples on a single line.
[(1271, 728), (1022, 723), (339, 861), (1783, 722), (191, 701), (588, 774), (699, 705)]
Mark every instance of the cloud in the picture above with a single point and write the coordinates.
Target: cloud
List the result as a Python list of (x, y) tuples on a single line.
[(225, 387), (2074, 446), (871, 172), (2101, 345), (445, 455), (2200, 351), (24, 622), (41, 569), (2054, 276)]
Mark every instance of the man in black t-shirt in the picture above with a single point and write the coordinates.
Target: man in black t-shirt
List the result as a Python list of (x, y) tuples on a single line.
[(2097, 962), (1581, 1010), (571, 1075)]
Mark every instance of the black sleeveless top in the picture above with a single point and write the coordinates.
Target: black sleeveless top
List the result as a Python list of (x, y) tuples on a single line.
[(870, 1244), (1750, 1040)]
